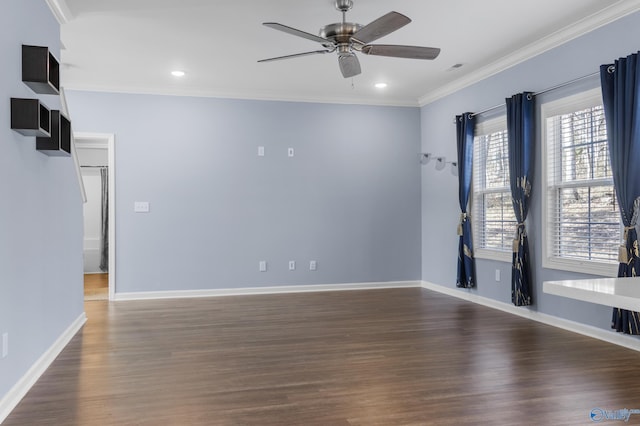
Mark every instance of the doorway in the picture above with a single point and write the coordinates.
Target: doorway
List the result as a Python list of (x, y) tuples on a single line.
[(95, 154)]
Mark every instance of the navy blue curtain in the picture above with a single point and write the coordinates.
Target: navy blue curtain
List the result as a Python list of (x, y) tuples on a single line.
[(465, 126), (521, 130), (620, 94)]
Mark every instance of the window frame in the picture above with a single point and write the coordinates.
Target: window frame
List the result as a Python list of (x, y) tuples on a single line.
[(565, 105), (493, 125)]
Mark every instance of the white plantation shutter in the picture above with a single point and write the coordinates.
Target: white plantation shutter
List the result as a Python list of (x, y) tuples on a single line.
[(492, 214), (582, 223)]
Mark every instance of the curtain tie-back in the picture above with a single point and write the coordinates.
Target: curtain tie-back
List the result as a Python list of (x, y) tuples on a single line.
[(623, 250), (464, 216), (627, 229), (515, 247), (516, 242), (623, 254)]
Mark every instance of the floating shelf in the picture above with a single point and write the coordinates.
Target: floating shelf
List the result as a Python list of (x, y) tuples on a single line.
[(59, 143), (30, 117), (40, 70)]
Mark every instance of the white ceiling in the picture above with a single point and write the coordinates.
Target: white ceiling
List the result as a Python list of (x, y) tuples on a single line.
[(132, 45)]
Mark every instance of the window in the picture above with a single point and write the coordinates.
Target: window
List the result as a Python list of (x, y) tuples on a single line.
[(582, 222), (493, 218)]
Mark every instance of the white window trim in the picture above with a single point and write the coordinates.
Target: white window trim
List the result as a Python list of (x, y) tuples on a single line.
[(488, 254), (565, 105), (486, 127)]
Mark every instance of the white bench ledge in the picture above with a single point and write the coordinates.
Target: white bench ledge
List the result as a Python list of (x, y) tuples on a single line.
[(615, 292)]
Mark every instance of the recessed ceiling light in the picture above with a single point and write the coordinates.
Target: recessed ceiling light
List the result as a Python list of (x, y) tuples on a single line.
[(177, 73), (381, 85)]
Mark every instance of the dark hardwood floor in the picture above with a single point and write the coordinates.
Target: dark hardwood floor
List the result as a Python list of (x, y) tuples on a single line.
[(379, 357)]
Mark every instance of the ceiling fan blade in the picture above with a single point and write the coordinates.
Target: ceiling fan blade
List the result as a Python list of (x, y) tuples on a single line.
[(349, 65), (296, 55), (381, 27), (398, 51), (298, 33)]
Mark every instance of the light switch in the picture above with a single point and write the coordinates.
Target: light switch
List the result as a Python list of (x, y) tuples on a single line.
[(141, 207), (261, 151), (290, 152)]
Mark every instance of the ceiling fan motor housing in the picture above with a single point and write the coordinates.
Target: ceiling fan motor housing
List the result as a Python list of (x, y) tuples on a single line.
[(340, 32)]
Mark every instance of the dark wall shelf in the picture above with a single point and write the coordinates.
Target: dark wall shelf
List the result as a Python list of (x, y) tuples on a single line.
[(40, 70), (59, 143), (30, 117)]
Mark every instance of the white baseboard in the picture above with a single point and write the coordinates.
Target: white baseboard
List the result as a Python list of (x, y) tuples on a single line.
[(620, 339), (20, 389), (148, 295)]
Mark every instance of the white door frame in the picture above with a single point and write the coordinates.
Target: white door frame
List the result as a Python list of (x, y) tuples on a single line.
[(105, 140)]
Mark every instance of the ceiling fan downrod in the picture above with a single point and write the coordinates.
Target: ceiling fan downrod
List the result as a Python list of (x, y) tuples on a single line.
[(344, 6)]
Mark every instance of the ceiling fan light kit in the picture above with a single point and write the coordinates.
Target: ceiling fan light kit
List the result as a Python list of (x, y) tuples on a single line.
[(347, 38)]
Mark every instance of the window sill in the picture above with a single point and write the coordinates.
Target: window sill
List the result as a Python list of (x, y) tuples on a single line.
[(499, 256), (582, 266)]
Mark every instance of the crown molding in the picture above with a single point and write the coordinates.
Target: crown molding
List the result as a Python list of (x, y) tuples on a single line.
[(612, 13), (252, 96), (60, 10)]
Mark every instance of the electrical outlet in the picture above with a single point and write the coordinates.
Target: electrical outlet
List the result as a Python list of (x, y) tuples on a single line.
[(5, 345), (313, 265), (262, 266), (292, 265), (141, 207)]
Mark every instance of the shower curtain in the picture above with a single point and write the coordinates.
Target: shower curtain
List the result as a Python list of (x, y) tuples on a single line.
[(104, 234)]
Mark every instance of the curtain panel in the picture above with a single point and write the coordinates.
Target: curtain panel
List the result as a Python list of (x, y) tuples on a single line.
[(521, 131), (465, 126), (620, 95)]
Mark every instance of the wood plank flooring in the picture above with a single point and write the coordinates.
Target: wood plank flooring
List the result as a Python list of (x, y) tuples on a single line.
[(96, 286), (379, 357)]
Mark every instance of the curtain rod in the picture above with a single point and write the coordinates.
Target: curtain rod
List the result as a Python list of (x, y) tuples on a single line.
[(558, 86), (97, 167)]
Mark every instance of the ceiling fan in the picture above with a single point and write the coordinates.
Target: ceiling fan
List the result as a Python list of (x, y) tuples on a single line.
[(346, 38)]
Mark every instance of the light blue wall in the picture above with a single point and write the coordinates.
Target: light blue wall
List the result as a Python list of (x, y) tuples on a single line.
[(40, 211), (577, 58), (349, 198)]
